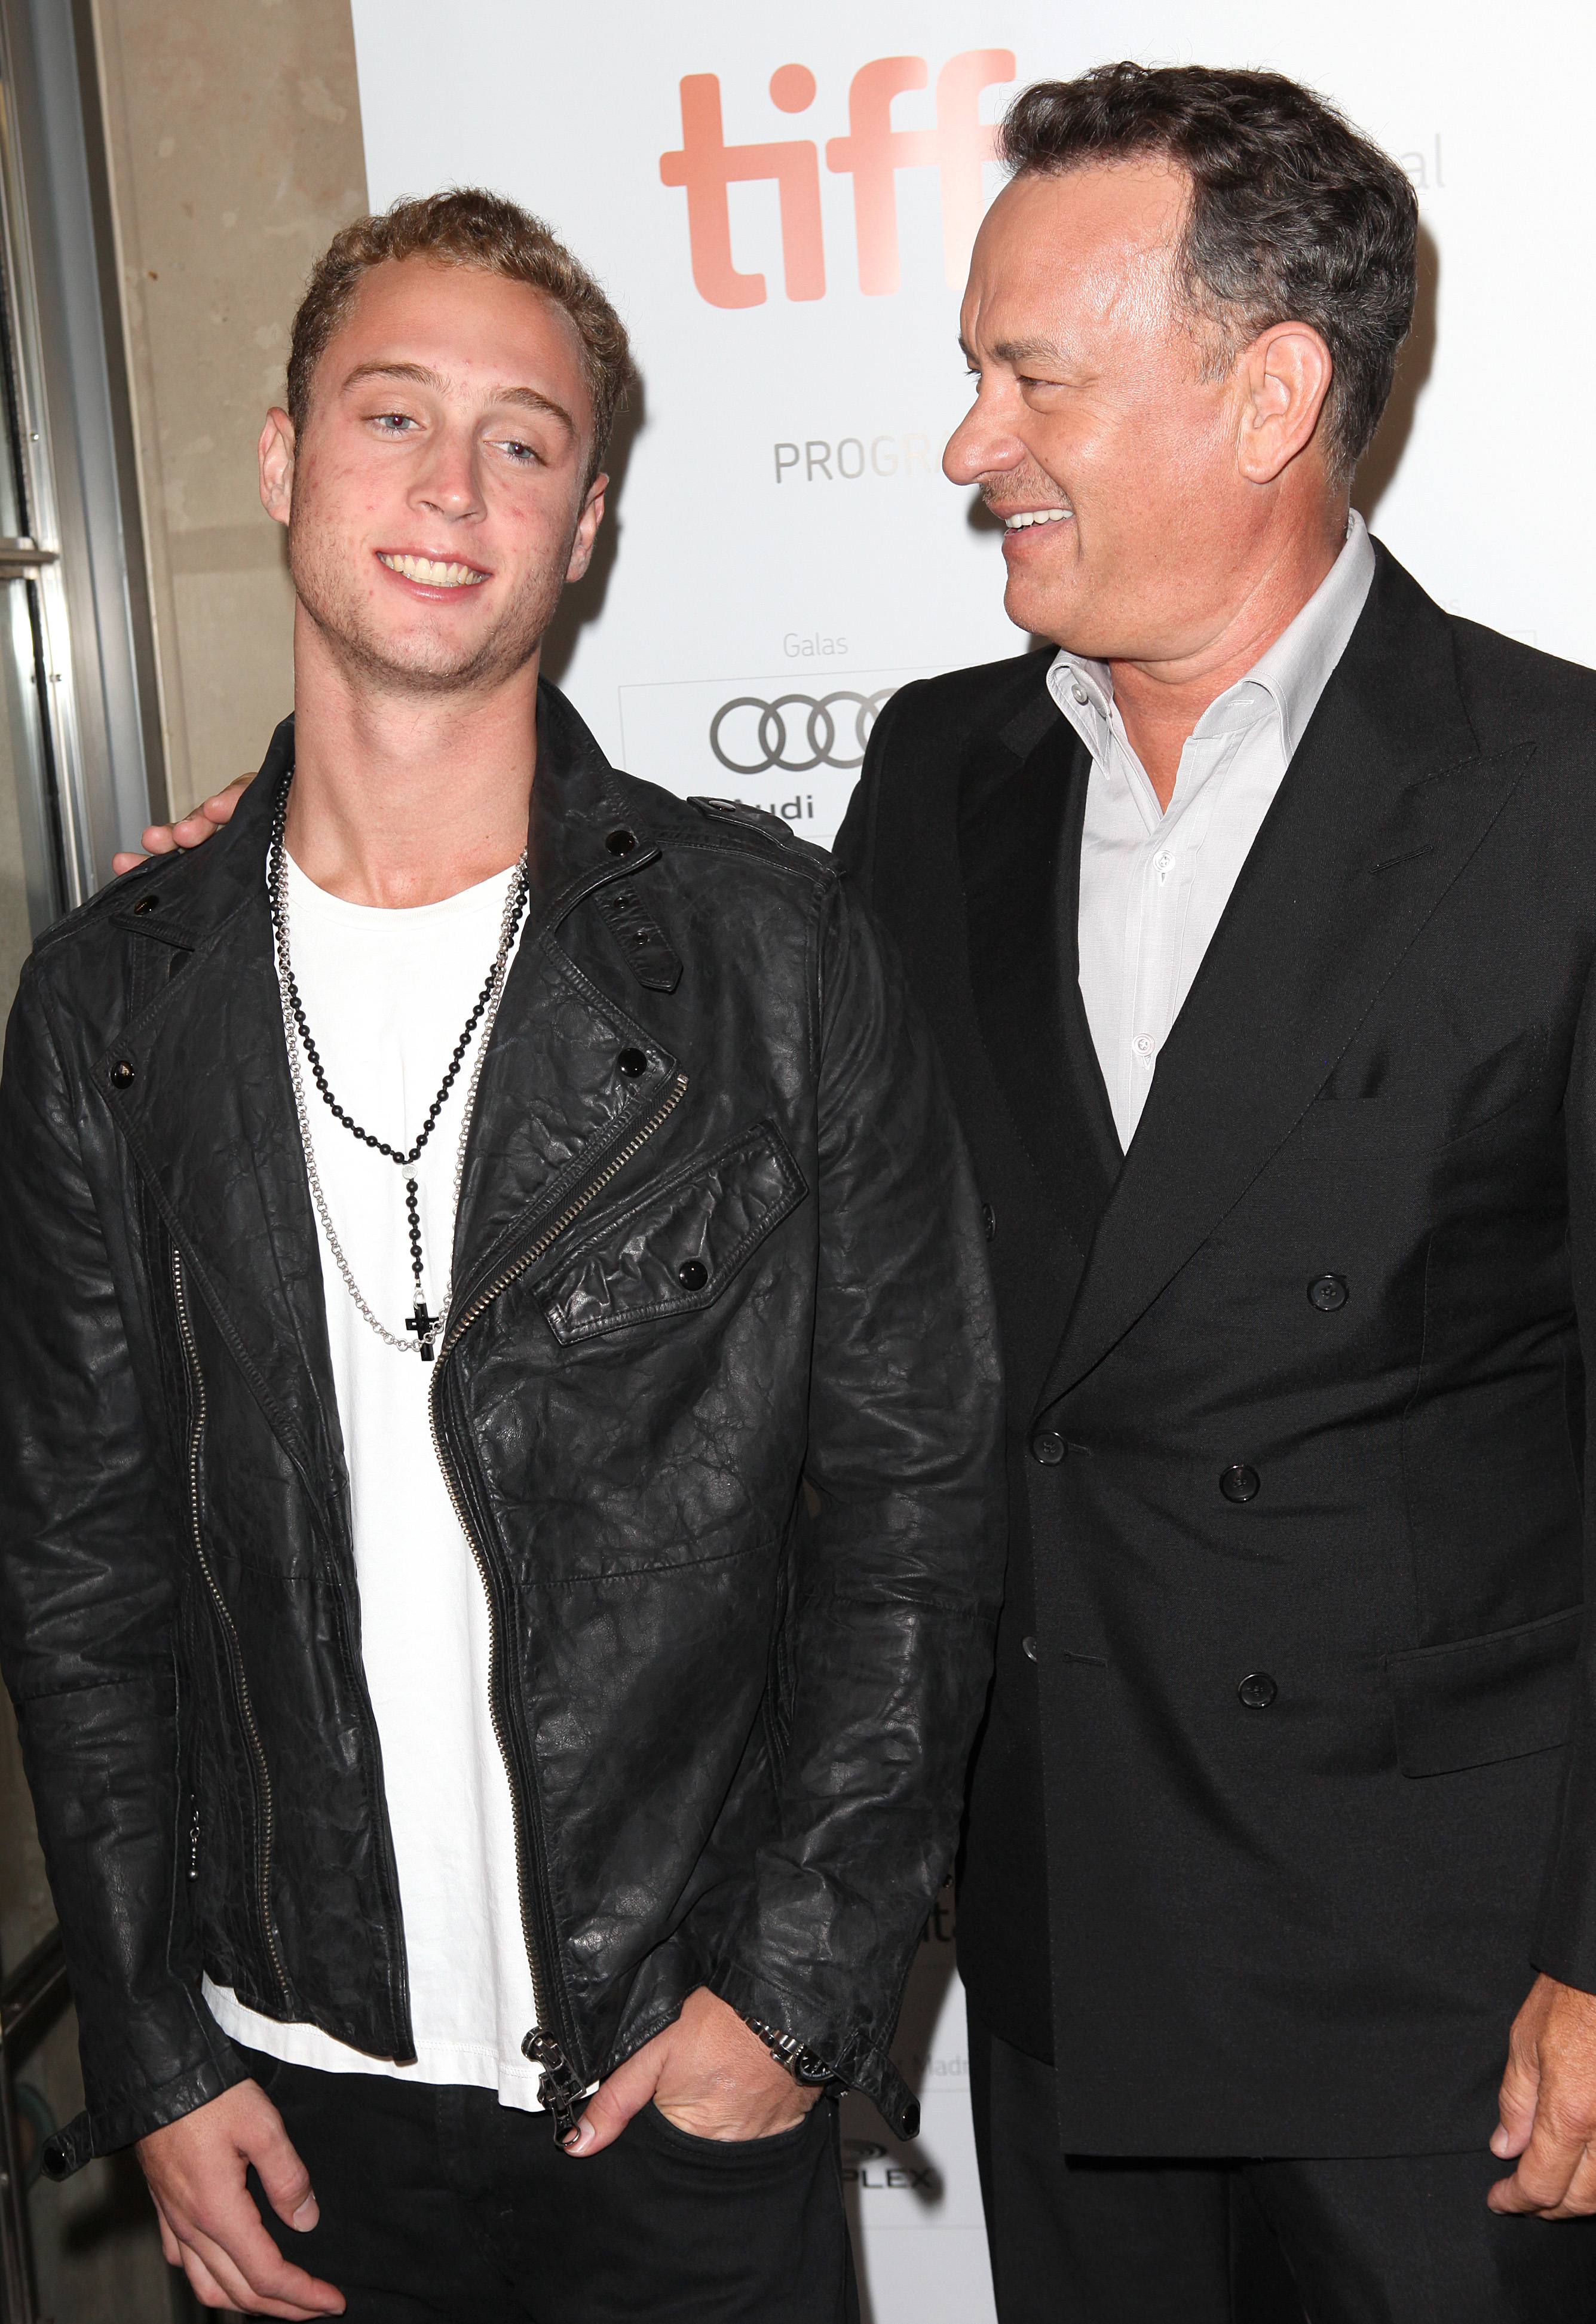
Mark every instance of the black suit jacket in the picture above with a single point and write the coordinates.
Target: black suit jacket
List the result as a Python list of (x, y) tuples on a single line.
[(1299, 1925)]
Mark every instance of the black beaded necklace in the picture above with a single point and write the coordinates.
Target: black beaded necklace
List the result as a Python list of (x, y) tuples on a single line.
[(424, 1325)]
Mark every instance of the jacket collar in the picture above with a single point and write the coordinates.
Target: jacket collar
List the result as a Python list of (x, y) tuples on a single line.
[(1381, 808), (210, 1112), (577, 809)]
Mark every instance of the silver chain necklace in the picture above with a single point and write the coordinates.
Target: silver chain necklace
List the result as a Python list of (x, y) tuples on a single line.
[(426, 1328)]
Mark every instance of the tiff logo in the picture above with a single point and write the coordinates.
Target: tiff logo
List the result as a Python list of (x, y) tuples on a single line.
[(871, 153)]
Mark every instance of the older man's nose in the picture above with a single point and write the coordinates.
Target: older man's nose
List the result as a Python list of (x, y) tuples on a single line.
[(981, 445)]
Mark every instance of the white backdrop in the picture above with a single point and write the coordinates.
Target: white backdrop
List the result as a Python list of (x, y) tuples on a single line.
[(782, 528)]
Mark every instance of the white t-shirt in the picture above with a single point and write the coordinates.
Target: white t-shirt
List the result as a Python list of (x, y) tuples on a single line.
[(387, 994)]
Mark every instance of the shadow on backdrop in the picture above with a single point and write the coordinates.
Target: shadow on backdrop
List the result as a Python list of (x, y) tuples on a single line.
[(869, 2147), (1380, 463), (582, 602)]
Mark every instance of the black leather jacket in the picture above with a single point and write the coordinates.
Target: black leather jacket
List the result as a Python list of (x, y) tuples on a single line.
[(717, 1402)]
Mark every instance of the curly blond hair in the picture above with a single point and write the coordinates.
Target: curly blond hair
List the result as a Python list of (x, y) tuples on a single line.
[(464, 226)]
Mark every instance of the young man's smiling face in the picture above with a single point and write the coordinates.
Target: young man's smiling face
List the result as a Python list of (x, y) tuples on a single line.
[(437, 499)]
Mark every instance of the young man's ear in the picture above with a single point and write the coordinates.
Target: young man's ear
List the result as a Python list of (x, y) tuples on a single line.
[(277, 465), (587, 524)]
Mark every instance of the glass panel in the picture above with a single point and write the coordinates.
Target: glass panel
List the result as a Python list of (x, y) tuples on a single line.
[(27, 783), (15, 518)]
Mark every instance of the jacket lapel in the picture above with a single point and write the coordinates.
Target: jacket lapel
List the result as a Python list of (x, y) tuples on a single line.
[(209, 1117), (551, 1096), (1384, 803), (1022, 803)]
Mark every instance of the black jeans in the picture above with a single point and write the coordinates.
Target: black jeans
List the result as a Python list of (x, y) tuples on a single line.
[(440, 2205), (1405, 2239)]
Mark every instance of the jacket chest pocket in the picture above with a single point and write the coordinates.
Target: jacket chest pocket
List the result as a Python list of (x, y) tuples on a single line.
[(678, 1247)]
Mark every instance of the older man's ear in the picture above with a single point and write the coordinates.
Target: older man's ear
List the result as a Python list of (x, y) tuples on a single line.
[(190, 830)]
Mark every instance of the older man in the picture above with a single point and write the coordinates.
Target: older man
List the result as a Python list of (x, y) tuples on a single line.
[(1255, 917)]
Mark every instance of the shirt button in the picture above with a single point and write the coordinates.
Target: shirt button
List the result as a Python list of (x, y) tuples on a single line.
[(1028, 1646), (1143, 1045), (1239, 1482), (1079, 691), (1048, 1447), (1327, 1293), (1256, 1690)]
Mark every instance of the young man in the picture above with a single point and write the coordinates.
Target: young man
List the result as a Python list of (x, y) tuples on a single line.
[(1255, 917), (498, 1427)]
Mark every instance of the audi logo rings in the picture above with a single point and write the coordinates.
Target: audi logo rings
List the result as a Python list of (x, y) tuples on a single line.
[(773, 736)]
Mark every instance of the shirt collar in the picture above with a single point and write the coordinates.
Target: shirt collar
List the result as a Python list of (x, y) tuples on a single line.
[(1286, 682)]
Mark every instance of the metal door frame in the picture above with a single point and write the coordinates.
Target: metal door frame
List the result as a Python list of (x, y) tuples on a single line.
[(84, 554)]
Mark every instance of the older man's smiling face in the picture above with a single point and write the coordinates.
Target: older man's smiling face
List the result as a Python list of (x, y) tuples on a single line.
[(439, 497), (1095, 435)]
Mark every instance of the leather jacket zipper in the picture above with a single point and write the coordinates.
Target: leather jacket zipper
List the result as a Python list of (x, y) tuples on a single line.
[(234, 1652), (561, 2088)]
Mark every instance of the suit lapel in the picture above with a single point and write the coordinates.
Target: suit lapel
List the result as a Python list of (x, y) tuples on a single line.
[(1022, 803), (1387, 798)]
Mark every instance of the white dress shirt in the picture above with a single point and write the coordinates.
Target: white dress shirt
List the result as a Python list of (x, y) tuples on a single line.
[(1155, 884)]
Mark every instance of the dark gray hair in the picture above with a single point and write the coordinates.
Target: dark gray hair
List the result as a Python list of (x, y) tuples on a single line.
[(1293, 217)]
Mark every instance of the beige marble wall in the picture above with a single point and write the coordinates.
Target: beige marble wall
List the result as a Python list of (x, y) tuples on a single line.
[(235, 149)]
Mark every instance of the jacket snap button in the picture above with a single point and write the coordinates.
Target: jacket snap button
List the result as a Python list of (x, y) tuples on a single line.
[(148, 904), (1327, 1293), (122, 1075), (621, 842), (1239, 1482), (1256, 1690), (1048, 1448), (692, 1275), (1028, 1646), (988, 1219), (632, 1062)]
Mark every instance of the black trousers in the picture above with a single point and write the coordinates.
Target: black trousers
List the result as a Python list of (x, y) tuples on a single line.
[(440, 2205), (1400, 2240)]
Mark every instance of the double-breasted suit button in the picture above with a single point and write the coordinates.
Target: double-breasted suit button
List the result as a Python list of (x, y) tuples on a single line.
[(1027, 1647), (1239, 1482), (1327, 1293), (1048, 1447), (1256, 1690)]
